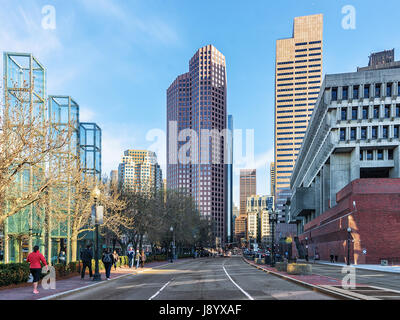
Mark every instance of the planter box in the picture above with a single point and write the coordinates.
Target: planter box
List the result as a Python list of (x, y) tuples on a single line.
[(281, 266), (299, 269)]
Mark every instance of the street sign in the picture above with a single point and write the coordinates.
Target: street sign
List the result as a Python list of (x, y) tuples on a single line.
[(364, 251), (93, 215)]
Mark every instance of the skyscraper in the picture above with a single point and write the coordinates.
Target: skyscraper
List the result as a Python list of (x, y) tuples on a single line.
[(196, 101), (297, 84), (272, 178), (248, 187), (139, 171)]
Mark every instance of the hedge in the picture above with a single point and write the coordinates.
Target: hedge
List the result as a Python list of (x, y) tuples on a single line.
[(14, 273)]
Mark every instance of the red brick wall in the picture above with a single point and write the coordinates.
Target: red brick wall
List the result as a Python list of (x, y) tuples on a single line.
[(375, 223)]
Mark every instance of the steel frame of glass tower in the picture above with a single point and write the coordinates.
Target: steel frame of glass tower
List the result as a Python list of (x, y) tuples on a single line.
[(24, 83), (90, 148)]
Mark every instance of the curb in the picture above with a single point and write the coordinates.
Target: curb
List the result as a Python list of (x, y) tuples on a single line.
[(305, 284)]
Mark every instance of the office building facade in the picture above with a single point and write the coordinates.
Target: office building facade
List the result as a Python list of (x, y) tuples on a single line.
[(196, 102), (140, 172), (298, 74)]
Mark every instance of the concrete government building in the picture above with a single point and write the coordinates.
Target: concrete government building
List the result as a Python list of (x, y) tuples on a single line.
[(348, 169)]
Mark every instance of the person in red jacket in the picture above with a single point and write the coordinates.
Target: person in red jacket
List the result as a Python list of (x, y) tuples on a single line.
[(34, 258)]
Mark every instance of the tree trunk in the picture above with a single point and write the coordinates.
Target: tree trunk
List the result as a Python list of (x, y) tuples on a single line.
[(74, 245)]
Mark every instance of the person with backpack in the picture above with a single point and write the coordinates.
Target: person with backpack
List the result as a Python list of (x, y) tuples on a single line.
[(108, 261), (34, 258), (86, 257)]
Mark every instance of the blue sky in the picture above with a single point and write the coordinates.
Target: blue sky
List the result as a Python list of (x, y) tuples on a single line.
[(116, 58)]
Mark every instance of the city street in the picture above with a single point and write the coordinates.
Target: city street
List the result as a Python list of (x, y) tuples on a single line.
[(199, 279)]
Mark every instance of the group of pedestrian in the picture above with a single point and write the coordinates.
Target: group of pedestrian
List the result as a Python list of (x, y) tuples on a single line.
[(36, 259), (136, 258)]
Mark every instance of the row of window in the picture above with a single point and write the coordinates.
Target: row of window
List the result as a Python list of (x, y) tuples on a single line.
[(367, 91), (379, 154), (376, 110), (352, 133)]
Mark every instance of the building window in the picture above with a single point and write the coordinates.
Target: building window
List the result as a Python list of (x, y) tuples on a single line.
[(334, 94), (377, 91), (364, 133), (385, 132), (396, 132), (388, 90), (361, 155), (366, 91), (374, 132), (355, 92), (380, 155), (353, 133), (376, 112), (397, 110), (369, 155), (344, 113), (342, 134), (354, 113), (345, 93), (390, 154), (387, 111), (365, 113)]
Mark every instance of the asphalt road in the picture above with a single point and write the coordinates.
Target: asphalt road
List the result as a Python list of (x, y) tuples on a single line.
[(199, 279)]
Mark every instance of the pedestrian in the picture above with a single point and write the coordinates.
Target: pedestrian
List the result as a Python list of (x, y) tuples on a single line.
[(108, 260), (331, 256), (34, 259), (130, 257), (116, 258), (137, 258), (143, 258), (62, 258), (86, 257)]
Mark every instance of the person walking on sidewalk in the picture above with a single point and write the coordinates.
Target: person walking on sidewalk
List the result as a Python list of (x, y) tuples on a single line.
[(137, 258), (142, 258), (130, 257), (108, 260), (34, 259), (86, 257), (116, 258)]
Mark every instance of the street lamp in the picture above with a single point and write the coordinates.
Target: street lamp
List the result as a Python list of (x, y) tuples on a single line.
[(272, 220), (306, 254), (96, 195), (348, 245), (172, 243)]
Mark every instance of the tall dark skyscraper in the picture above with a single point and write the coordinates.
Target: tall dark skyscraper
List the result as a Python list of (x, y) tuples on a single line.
[(196, 103)]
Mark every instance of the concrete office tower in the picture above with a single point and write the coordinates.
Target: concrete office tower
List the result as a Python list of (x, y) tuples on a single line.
[(257, 209), (272, 178), (348, 169), (139, 171), (248, 187), (297, 84), (114, 177), (196, 100)]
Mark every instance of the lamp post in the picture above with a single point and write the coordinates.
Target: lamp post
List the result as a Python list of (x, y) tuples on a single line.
[(172, 243), (97, 276), (272, 220), (306, 254), (348, 245)]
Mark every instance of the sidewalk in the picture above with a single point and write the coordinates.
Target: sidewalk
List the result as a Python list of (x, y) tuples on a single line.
[(72, 283), (373, 267)]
